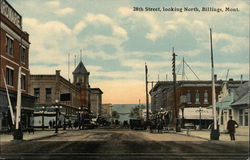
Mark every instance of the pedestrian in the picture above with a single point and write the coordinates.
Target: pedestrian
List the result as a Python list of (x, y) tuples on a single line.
[(231, 125), (53, 123), (50, 124), (75, 124), (70, 124)]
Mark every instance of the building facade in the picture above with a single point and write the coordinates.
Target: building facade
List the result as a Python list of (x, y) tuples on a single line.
[(234, 102), (74, 98), (54, 90), (96, 101), (106, 111), (14, 53), (192, 97)]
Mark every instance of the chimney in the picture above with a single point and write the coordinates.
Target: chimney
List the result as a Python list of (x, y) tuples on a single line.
[(58, 72), (215, 77)]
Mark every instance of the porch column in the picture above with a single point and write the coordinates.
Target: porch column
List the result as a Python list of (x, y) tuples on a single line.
[(232, 114)]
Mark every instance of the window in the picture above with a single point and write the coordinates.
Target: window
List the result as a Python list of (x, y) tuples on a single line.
[(197, 97), (206, 97), (9, 46), (23, 82), (189, 97), (22, 54), (241, 117), (37, 94), (9, 76), (222, 117), (246, 117), (48, 95)]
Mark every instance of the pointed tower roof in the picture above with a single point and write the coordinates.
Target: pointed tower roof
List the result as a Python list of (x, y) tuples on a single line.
[(80, 69)]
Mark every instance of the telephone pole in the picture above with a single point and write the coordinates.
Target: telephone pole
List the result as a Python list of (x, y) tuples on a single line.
[(146, 73), (177, 129)]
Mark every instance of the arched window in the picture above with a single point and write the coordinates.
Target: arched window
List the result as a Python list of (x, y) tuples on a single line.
[(197, 97), (206, 97), (188, 97)]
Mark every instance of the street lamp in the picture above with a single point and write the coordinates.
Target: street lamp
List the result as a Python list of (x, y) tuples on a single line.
[(200, 116), (43, 109), (57, 111), (79, 118)]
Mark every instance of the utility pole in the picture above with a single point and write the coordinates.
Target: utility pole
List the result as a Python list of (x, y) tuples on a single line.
[(146, 73), (174, 85), (214, 131)]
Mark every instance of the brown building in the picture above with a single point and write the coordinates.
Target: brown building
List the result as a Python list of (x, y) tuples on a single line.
[(96, 101), (189, 94), (14, 53), (54, 90), (81, 80)]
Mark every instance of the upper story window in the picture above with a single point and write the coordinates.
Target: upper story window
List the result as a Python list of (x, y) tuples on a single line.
[(9, 76), (206, 97), (23, 82), (9, 46), (37, 94), (188, 97), (48, 95), (22, 51), (197, 97)]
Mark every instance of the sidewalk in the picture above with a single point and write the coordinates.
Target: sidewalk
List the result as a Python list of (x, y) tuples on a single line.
[(205, 134), (38, 134)]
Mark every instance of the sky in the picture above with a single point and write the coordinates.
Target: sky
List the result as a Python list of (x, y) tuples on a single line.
[(116, 41)]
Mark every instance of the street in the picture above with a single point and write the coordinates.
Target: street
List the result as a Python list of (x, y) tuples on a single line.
[(122, 144)]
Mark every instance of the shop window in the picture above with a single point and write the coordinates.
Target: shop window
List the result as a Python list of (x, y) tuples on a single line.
[(48, 95), (9, 46), (9, 76)]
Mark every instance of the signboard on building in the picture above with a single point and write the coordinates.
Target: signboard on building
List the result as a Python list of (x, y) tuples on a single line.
[(10, 13), (65, 97)]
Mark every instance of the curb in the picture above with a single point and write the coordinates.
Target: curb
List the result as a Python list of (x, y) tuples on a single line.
[(192, 136), (48, 136)]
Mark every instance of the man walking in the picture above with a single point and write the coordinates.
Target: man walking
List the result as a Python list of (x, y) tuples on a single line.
[(231, 125)]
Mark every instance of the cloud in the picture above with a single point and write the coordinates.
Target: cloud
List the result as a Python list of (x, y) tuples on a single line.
[(54, 3), (65, 11), (98, 19), (157, 29), (234, 44)]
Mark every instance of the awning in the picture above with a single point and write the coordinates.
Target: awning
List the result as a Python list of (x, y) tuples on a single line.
[(194, 113)]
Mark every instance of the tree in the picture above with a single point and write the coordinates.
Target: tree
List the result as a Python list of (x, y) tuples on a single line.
[(115, 114), (136, 111)]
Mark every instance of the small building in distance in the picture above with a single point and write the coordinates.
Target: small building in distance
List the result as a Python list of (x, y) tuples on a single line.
[(96, 101), (106, 111)]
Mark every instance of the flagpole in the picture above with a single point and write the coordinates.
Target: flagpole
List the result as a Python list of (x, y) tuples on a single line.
[(8, 97), (215, 130)]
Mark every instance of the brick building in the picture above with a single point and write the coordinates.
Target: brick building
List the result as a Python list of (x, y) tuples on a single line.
[(14, 53), (73, 97), (96, 101), (190, 97)]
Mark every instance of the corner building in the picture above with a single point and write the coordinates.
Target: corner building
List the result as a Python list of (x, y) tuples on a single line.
[(14, 53)]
